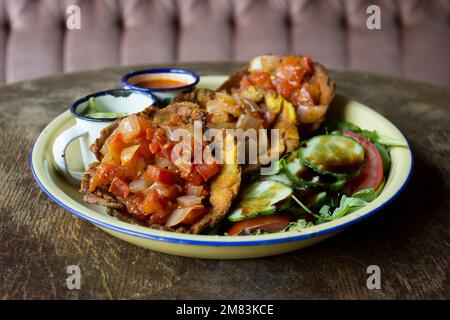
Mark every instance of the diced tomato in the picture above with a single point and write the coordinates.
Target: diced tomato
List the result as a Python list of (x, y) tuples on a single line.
[(144, 148), (152, 202), (371, 175), (270, 223), (158, 208), (149, 133), (293, 61), (151, 174), (261, 79), (207, 170), (245, 82), (154, 173), (290, 75), (157, 138), (119, 188), (161, 215), (167, 191), (167, 176), (283, 87), (103, 175), (144, 124), (115, 147), (154, 147), (134, 204)]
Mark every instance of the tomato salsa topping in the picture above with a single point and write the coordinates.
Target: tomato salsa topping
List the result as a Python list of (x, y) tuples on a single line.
[(288, 78), (137, 168)]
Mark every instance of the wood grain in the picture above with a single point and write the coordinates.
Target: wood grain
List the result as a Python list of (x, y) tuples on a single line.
[(409, 239)]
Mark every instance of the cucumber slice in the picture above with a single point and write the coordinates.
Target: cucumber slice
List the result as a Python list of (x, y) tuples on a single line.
[(304, 176), (282, 178), (261, 198), (333, 154)]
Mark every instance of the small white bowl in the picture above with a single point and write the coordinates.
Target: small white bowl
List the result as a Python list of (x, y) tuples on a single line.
[(87, 129)]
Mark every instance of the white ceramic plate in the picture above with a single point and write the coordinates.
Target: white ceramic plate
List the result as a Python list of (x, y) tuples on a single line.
[(216, 247)]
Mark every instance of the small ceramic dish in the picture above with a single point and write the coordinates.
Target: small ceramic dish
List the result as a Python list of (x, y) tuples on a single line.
[(217, 247), (107, 106), (164, 83)]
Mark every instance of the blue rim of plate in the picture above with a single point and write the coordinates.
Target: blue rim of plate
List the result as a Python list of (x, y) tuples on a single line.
[(218, 243), (126, 77), (125, 92)]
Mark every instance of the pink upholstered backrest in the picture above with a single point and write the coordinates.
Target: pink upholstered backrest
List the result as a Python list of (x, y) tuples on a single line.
[(414, 41)]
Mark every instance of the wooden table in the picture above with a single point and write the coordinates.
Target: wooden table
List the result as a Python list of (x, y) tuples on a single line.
[(408, 240)]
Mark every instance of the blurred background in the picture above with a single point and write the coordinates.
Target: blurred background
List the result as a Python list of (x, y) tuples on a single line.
[(413, 42)]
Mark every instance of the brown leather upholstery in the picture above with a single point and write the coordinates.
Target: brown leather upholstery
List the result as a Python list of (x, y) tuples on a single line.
[(414, 40)]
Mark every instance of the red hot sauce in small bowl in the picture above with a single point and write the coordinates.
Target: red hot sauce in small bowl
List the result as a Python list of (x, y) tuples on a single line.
[(160, 83)]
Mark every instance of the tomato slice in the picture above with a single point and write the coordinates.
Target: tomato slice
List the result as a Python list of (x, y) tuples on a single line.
[(371, 175), (271, 223)]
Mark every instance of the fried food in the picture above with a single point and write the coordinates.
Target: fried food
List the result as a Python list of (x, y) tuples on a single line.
[(136, 179), (295, 78)]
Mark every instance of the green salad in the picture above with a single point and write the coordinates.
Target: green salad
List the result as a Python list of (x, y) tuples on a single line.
[(335, 172)]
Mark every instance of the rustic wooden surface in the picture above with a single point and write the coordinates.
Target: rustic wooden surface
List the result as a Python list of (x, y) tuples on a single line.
[(409, 239)]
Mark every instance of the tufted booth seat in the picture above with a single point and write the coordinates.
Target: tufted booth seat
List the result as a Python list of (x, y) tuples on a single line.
[(414, 40)]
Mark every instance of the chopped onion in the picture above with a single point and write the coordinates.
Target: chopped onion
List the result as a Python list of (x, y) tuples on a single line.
[(195, 190), (246, 122), (188, 215), (311, 114), (128, 153), (105, 147), (189, 200), (138, 185), (129, 127), (178, 216), (265, 63)]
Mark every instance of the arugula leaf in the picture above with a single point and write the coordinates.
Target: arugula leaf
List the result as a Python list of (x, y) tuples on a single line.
[(373, 136), (324, 210), (299, 225), (341, 125), (377, 137), (348, 205), (344, 207), (367, 195)]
